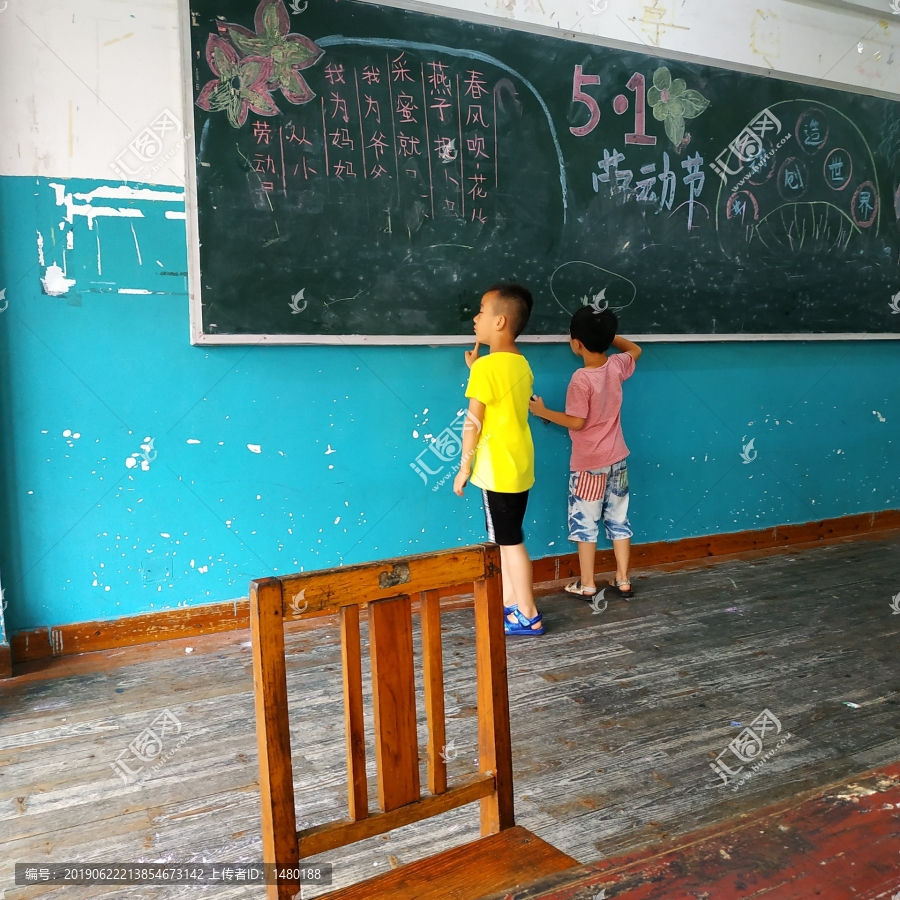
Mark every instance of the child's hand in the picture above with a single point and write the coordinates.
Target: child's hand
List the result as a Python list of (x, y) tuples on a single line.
[(471, 356), (460, 482), (536, 405)]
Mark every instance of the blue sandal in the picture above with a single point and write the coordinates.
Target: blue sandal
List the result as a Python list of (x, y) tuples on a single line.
[(523, 624)]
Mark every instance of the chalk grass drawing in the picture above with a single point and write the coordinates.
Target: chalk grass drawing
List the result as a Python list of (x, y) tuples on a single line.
[(746, 452), (257, 63), (673, 102)]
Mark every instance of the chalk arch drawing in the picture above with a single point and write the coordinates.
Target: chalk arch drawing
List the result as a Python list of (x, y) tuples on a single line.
[(338, 40), (585, 279), (785, 109)]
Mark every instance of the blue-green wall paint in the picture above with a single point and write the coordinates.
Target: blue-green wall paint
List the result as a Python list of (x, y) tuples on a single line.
[(82, 537)]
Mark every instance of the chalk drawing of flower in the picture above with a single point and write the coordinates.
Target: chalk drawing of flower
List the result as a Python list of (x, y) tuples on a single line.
[(672, 103), (289, 52), (239, 85)]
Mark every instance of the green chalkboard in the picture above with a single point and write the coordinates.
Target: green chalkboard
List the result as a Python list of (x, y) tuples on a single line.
[(367, 171)]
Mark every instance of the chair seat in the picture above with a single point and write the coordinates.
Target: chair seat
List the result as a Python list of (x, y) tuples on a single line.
[(504, 861)]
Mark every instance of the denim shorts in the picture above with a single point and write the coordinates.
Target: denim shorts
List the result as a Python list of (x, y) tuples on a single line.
[(612, 508)]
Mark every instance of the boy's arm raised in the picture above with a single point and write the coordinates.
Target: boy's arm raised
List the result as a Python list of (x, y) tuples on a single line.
[(626, 346)]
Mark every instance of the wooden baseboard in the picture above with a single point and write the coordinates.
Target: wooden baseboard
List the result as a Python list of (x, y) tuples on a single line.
[(40, 643), (5, 661)]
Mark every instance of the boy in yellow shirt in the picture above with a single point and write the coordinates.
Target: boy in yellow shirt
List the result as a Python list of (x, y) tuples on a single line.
[(499, 390)]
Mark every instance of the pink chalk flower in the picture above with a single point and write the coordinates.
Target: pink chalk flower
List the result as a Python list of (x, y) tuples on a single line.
[(289, 52), (239, 85)]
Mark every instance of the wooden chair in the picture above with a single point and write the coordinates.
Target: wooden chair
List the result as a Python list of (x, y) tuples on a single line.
[(505, 855)]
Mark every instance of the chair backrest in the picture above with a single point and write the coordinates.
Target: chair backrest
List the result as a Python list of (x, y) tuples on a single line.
[(385, 587)]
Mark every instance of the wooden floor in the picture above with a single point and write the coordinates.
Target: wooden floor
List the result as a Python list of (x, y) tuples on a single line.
[(616, 717)]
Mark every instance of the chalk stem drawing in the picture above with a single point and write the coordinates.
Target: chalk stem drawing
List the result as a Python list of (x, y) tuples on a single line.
[(673, 102), (341, 299)]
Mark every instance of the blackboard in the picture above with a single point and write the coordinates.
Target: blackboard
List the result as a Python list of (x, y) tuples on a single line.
[(363, 172)]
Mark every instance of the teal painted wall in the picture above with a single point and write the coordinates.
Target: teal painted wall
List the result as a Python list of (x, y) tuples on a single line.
[(83, 537)]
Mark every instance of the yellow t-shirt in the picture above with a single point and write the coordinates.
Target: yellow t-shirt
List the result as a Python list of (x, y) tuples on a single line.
[(504, 460)]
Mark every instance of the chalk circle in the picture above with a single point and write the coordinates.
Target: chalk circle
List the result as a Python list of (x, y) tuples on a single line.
[(865, 202), (812, 130), (834, 168), (737, 206), (793, 178), (576, 280), (620, 104)]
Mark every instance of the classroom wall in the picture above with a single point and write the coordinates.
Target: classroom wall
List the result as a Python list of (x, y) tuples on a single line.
[(139, 473)]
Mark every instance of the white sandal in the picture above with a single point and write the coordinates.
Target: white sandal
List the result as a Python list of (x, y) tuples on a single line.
[(576, 588)]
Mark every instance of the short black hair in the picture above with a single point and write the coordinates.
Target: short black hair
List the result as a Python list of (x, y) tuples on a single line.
[(517, 302), (595, 329)]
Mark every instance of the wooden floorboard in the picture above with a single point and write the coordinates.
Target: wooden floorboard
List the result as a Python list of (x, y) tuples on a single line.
[(615, 718)]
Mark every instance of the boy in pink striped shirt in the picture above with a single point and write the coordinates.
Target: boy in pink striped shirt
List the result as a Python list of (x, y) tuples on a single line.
[(598, 482)]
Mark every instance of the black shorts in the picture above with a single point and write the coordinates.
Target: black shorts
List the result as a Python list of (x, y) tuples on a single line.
[(504, 515)]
